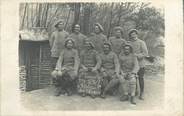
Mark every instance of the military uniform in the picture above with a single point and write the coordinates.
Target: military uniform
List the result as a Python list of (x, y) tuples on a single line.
[(79, 40), (117, 44), (57, 45), (140, 50), (68, 64), (129, 67), (98, 40), (89, 81), (109, 70)]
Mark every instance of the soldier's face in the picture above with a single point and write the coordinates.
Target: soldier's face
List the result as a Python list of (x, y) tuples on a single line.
[(61, 26), (69, 44), (77, 28), (127, 49), (118, 33), (87, 45), (97, 29), (133, 35), (106, 49)]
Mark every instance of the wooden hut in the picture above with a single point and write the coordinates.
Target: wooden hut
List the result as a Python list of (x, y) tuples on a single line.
[(34, 61)]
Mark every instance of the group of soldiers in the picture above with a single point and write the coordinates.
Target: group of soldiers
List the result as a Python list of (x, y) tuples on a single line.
[(97, 66)]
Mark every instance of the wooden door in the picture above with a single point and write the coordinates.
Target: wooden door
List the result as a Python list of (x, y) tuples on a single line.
[(32, 64)]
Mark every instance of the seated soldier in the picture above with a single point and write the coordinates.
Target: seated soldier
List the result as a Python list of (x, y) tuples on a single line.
[(66, 69), (89, 79), (109, 68), (128, 67)]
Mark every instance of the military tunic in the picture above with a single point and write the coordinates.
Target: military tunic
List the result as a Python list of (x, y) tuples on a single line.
[(68, 64), (109, 67), (89, 81), (79, 40), (98, 40), (57, 41), (117, 44), (140, 50), (129, 67)]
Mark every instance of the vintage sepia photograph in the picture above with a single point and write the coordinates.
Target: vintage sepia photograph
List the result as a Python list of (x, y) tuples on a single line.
[(91, 56)]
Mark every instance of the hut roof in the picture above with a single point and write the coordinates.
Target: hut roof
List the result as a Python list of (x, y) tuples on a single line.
[(26, 35)]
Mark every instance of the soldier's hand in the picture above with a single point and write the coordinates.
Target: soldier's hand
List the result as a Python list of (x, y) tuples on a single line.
[(94, 70)]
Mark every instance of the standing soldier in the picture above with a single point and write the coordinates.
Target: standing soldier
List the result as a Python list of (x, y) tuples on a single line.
[(128, 67), (109, 68), (98, 38), (140, 50), (78, 37), (56, 41), (117, 41)]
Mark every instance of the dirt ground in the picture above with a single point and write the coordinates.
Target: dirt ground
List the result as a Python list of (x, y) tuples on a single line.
[(44, 99)]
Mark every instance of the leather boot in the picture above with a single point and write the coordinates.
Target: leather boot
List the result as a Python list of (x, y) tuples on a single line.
[(124, 98), (132, 100), (141, 97), (103, 95), (57, 91)]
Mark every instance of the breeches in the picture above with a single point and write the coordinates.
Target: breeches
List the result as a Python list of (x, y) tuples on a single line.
[(129, 86)]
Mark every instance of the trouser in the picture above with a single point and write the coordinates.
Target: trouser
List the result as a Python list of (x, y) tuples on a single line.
[(112, 83), (129, 86), (53, 62), (141, 79), (65, 82)]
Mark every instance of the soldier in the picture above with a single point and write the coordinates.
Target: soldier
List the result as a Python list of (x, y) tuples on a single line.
[(98, 38), (78, 37), (66, 68), (89, 79), (128, 67), (140, 50), (117, 41), (56, 41), (109, 68)]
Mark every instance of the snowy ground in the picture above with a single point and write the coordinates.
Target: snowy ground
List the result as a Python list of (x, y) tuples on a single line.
[(44, 99)]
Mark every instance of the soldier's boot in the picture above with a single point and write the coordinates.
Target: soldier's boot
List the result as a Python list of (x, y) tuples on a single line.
[(103, 95), (93, 96), (57, 91), (132, 100), (124, 98), (62, 91), (141, 97), (69, 92), (83, 94)]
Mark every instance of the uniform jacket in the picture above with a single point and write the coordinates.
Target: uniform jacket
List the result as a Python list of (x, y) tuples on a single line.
[(117, 44), (57, 41), (140, 50), (79, 40), (128, 63), (98, 40), (90, 58), (68, 59), (110, 61)]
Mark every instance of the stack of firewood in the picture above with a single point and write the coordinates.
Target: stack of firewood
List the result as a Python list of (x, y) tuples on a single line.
[(22, 77)]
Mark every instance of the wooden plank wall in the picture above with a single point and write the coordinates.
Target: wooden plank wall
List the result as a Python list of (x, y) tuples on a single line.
[(45, 65)]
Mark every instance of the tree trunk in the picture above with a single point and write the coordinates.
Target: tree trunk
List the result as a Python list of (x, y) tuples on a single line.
[(46, 15), (76, 13), (119, 15), (110, 22), (86, 19), (23, 19), (68, 17), (38, 23)]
